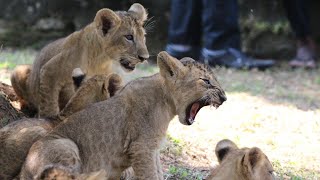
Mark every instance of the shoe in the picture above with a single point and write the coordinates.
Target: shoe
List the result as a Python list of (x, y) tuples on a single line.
[(233, 58), (305, 58), (193, 52)]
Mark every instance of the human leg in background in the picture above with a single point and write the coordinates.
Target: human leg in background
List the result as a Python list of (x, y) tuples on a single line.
[(184, 36), (222, 36), (297, 13)]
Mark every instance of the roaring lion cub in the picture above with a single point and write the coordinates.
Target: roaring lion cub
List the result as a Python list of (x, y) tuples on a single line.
[(127, 129), (112, 38), (241, 164), (17, 138)]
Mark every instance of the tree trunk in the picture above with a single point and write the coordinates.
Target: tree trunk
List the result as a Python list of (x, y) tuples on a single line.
[(7, 112), (8, 90)]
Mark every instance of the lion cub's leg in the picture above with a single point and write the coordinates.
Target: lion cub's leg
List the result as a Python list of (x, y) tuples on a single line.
[(159, 167), (51, 85), (19, 79), (65, 94), (144, 162), (51, 152)]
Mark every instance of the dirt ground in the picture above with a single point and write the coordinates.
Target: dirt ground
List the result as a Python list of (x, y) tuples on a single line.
[(277, 110)]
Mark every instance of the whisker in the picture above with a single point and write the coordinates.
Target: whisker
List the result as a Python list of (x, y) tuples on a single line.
[(149, 24), (148, 21)]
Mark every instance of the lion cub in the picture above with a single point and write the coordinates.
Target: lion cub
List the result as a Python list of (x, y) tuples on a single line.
[(241, 164), (112, 38), (17, 138), (127, 129), (60, 173)]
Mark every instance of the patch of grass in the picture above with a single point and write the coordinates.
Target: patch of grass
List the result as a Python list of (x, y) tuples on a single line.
[(174, 146), (181, 173), (7, 65), (289, 172), (148, 68), (278, 85), (10, 58), (317, 80)]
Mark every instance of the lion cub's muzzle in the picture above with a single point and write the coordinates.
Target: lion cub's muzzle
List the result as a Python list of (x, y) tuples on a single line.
[(213, 98), (143, 57), (222, 97)]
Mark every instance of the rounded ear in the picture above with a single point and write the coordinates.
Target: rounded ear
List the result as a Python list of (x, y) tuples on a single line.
[(224, 147), (186, 60), (138, 12), (254, 156), (105, 20), (169, 66), (112, 84), (78, 77)]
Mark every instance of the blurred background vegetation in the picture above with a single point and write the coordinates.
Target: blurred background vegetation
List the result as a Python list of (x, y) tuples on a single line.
[(33, 23)]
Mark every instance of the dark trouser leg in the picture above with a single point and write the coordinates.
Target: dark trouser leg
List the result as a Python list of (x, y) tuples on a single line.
[(297, 13), (185, 26), (298, 17), (222, 36), (220, 24)]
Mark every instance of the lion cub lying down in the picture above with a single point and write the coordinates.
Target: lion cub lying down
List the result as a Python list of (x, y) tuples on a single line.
[(17, 138), (127, 129), (241, 164)]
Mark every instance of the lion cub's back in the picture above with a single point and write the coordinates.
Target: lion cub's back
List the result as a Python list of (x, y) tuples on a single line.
[(46, 53), (15, 142)]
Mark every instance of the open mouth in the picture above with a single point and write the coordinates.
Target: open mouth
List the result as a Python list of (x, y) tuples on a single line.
[(194, 108), (126, 64)]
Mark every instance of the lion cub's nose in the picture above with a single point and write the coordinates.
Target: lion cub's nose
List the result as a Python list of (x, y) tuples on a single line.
[(222, 97), (143, 57)]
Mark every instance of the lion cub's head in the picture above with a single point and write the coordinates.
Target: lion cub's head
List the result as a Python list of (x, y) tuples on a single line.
[(192, 85), (94, 89), (122, 35), (242, 164)]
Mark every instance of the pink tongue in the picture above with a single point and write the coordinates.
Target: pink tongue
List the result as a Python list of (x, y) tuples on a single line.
[(194, 110)]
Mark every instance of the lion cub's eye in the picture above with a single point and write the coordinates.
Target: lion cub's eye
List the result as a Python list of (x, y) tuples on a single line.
[(129, 37), (206, 81)]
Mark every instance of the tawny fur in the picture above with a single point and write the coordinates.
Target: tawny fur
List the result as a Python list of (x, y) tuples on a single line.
[(46, 86), (61, 173), (127, 129), (17, 137), (241, 164)]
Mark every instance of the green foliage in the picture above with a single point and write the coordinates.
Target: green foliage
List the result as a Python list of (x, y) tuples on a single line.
[(181, 173), (174, 146), (9, 58), (286, 171)]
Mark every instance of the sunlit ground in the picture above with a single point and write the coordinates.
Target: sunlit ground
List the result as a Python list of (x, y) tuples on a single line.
[(287, 135), (277, 110)]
